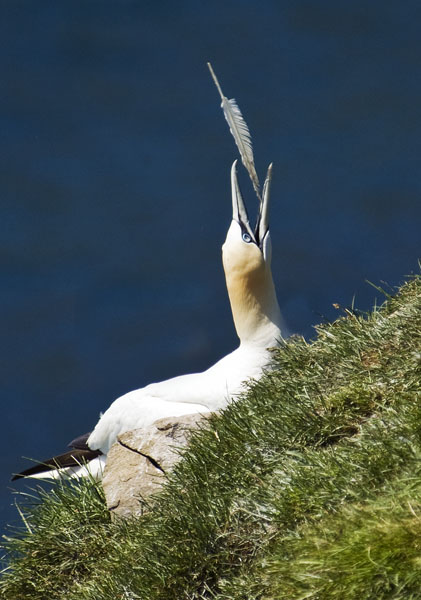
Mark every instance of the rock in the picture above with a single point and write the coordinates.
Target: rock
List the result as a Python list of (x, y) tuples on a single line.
[(137, 462)]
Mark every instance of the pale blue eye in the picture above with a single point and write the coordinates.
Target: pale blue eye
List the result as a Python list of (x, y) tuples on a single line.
[(246, 238)]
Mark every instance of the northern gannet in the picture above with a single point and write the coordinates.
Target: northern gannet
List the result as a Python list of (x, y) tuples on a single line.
[(246, 257)]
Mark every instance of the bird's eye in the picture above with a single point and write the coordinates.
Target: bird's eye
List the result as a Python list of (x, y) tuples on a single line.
[(246, 238)]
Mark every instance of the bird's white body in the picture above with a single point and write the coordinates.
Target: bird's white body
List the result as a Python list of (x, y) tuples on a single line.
[(210, 390), (203, 392)]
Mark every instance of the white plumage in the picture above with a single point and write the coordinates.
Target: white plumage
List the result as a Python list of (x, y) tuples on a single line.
[(197, 392)]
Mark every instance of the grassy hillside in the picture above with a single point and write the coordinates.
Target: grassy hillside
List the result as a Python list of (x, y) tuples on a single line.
[(308, 487)]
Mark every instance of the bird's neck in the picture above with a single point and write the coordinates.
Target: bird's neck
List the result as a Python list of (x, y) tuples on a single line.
[(255, 308)]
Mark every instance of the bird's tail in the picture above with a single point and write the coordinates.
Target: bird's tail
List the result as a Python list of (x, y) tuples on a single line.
[(80, 461)]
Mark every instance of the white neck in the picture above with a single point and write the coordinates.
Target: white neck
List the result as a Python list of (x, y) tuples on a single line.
[(252, 295), (255, 309)]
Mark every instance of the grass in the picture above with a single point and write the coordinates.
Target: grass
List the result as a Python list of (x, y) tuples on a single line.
[(307, 488)]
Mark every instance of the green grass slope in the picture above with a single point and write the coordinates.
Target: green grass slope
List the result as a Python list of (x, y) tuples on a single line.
[(308, 487)]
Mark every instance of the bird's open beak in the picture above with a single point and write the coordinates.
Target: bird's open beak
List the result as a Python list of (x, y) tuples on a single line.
[(262, 223), (239, 211)]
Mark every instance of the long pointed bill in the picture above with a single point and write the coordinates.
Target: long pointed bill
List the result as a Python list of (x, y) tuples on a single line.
[(239, 211), (262, 224)]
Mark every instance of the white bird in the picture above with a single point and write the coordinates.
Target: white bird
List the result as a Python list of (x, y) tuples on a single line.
[(246, 257)]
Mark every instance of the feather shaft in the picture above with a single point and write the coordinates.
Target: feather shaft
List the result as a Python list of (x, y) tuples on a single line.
[(240, 133)]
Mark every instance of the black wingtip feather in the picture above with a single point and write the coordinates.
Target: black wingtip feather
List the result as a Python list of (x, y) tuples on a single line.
[(80, 442), (73, 458)]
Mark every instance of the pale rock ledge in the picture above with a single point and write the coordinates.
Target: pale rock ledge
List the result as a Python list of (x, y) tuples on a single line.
[(138, 461)]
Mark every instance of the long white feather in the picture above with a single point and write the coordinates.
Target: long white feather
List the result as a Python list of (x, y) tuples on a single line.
[(240, 133)]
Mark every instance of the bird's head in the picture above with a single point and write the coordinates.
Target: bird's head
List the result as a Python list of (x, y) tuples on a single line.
[(247, 251)]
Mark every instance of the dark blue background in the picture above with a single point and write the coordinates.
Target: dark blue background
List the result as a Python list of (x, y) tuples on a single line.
[(115, 196)]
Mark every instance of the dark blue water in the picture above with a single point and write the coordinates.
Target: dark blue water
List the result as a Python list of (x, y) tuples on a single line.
[(115, 194)]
